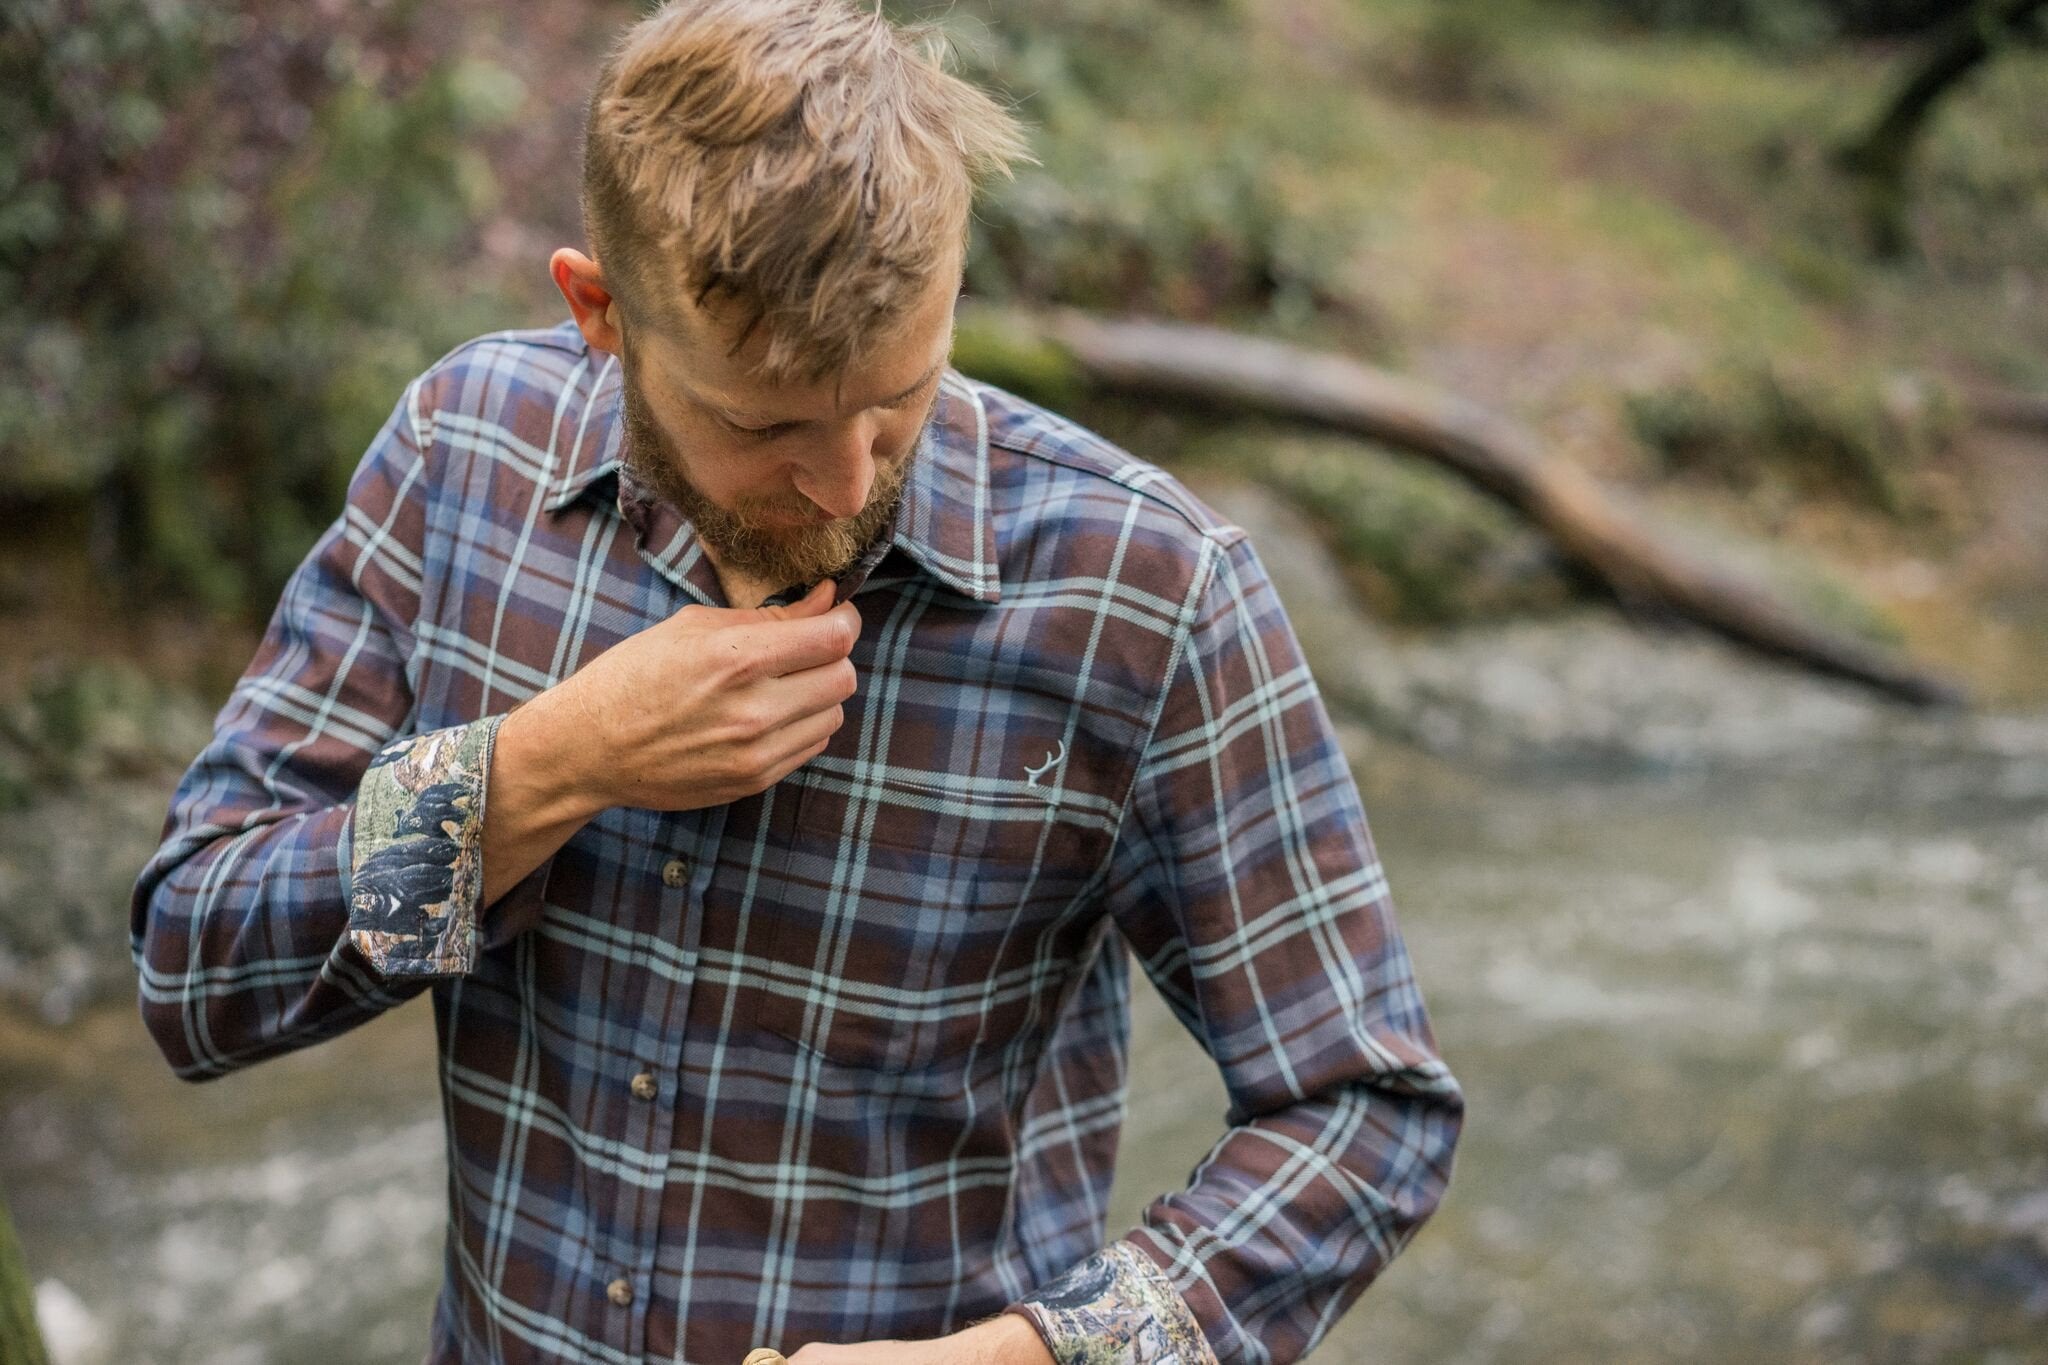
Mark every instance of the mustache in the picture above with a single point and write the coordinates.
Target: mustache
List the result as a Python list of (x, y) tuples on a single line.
[(754, 533)]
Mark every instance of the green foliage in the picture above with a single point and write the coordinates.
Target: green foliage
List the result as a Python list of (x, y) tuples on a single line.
[(1757, 424), (225, 246), (90, 721), (1175, 180), (1417, 544), (1980, 192), (1460, 59)]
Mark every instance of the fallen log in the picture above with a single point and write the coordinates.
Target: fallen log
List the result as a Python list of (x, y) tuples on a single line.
[(1181, 362)]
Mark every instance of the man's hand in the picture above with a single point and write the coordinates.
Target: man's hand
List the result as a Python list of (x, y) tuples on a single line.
[(709, 706), (1006, 1339), (706, 707)]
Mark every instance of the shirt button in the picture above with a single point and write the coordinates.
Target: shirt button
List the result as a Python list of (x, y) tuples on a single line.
[(675, 872), (619, 1291), (644, 1087)]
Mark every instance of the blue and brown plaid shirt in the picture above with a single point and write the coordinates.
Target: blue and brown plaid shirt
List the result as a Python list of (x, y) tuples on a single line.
[(845, 1060)]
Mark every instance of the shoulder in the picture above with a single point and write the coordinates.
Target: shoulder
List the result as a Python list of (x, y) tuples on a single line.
[(500, 375), (508, 413), (1077, 501)]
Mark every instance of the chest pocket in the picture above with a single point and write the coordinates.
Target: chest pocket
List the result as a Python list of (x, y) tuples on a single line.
[(911, 913)]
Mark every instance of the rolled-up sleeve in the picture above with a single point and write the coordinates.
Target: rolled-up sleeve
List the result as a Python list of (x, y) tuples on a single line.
[(319, 864), (1249, 887)]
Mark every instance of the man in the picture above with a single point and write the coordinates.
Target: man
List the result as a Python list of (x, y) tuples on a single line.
[(759, 739)]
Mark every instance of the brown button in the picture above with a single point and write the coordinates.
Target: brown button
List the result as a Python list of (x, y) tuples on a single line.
[(644, 1087), (619, 1291), (675, 872)]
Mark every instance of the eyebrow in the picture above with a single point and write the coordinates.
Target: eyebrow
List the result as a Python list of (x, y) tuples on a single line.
[(740, 413)]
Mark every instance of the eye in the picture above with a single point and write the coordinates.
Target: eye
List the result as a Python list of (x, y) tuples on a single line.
[(768, 432)]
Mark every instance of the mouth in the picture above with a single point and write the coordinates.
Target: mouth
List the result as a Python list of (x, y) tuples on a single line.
[(801, 521)]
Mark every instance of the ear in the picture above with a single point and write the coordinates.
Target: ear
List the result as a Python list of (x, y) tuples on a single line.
[(582, 284)]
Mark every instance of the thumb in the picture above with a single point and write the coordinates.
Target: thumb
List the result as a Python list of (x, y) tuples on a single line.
[(816, 602)]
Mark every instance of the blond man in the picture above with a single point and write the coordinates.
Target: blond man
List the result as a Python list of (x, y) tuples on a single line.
[(762, 741)]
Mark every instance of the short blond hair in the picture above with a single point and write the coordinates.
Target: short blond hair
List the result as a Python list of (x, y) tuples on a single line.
[(814, 163)]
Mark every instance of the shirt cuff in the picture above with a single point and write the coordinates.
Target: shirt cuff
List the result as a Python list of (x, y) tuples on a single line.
[(415, 851), (1116, 1308)]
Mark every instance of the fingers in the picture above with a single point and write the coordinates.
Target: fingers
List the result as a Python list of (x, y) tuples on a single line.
[(805, 738), (779, 648), (813, 689)]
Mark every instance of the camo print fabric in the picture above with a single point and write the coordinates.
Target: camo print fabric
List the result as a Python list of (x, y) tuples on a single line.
[(416, 868), (1116, 1308)]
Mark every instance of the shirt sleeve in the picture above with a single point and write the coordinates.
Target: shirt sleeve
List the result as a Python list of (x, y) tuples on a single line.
[(1248, 885), (319, 865)]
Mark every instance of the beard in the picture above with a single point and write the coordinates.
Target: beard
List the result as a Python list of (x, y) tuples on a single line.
[(752, 538)]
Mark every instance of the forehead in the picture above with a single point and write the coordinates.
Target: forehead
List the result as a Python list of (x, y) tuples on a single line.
[(693, 355)]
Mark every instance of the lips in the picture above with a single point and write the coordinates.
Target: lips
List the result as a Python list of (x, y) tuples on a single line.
[(801, 521)]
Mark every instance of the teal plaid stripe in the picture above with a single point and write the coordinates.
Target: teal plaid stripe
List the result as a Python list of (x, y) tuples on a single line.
[(845, 1060)]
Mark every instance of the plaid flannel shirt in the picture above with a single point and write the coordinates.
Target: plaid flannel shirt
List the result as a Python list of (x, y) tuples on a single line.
[(844, 1060)]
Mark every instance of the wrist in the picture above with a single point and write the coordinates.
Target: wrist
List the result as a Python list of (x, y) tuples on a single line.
[(546, 763), (1013, 1339)]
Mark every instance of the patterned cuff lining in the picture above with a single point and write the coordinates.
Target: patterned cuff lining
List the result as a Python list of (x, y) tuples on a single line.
[(1116, 1308), (416, 857)]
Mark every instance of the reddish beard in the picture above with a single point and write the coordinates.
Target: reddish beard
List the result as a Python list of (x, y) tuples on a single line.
[(754, 537)]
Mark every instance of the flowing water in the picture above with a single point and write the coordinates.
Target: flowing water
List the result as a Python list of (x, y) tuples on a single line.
[(1757, 1068), (1756, 1063)]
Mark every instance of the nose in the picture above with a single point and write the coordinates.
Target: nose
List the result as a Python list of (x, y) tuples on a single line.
[(839, 473)]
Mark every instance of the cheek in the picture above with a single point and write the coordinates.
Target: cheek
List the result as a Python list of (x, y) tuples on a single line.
[(728, 473), (899, 433)]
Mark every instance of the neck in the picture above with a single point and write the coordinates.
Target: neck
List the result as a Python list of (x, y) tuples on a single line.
[(741, 590)]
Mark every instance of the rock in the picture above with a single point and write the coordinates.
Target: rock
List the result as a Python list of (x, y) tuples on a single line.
[(74, 1336), (67, 866)]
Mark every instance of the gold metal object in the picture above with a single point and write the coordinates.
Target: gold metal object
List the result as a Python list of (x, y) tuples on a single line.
[(762, 1355)]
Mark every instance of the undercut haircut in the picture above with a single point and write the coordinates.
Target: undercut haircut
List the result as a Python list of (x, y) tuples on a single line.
[(811, 163)]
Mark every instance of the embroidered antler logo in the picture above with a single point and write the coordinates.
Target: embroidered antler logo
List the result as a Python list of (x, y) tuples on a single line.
[(1053, 759)]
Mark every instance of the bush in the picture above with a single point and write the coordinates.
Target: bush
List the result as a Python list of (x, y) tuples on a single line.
[(229, 237), (1194, 190), (1757, 425)]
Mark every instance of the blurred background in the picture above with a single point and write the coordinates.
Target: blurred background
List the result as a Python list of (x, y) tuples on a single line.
[(1743, 966)]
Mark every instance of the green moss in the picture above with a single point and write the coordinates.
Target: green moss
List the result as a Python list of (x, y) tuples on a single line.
[(985, 347), (1419, 545)]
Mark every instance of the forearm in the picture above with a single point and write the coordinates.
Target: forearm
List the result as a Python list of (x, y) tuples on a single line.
[(241, 943), (541, 793), (1292, 1213)]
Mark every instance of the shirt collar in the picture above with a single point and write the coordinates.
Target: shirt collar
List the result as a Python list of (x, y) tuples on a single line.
[(945, 524), (593, 454)]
